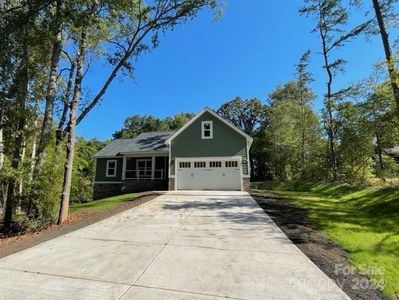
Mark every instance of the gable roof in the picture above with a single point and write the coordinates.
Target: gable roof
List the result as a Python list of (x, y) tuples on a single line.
[(213, 113), (144, 142)]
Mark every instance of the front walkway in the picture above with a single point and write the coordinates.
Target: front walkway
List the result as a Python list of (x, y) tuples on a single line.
[(182, 245)]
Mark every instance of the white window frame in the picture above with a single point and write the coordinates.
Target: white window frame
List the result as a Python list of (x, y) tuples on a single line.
[(116, 167), (203, 130), (146, 169)]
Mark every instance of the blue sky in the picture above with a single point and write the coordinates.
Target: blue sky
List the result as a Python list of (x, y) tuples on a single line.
[(248, 52)]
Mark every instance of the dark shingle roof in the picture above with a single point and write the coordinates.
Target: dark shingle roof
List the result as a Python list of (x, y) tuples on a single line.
[(145, 142)]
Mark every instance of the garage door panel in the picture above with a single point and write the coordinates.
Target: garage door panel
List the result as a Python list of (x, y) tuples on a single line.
[(216, 175)]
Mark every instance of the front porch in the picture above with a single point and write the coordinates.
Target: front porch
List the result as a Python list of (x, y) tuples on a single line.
[(143, 173)]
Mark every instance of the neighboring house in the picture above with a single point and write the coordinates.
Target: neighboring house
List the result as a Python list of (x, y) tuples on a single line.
[(393, 152), (208, 153)]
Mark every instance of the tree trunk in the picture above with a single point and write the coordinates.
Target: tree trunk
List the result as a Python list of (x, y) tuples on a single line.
[(379, 151), (388, 53), (332, 159), (16, 157), (70, 146), (302, 136), (21, 163), (33, 153), (51, 87), (73, 107), (66, 99)]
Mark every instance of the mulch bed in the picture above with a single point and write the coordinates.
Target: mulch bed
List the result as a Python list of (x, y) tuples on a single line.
[(76, 220), (295, 223)]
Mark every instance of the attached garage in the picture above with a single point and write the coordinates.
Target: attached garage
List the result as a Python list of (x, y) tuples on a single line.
[(202, 173), (209, 153)]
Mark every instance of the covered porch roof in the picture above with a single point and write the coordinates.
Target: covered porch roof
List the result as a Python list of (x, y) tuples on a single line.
[(147, 143)]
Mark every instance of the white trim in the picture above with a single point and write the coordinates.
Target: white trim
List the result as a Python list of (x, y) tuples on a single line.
[(248, 161), (169, 163), (110, 182), (203, 130), (145, 168), (145, 154), (153, 168), (124, 162), (107, 168), (206, 109), (206, 158), (107, 157)]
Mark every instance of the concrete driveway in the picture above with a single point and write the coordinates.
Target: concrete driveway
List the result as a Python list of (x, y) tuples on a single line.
[(181, 245)]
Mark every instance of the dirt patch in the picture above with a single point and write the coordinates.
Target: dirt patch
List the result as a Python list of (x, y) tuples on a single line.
[(330, 258), (76, 220)]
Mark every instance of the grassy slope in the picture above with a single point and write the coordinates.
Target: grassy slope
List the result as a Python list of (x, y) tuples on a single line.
[(105, 203), (364, 221)]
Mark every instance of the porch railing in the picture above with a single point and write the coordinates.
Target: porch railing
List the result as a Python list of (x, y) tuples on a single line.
[(144, 174)]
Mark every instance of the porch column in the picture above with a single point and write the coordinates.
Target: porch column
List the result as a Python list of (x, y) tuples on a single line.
[(153, 168), (124, 168)]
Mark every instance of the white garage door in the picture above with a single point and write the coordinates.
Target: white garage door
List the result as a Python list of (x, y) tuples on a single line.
[(208, 174)]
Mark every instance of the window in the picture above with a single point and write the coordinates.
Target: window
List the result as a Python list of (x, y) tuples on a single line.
[(215, 164), (231, 164), (144, 168), (207, 129), (184, 164), (199, 164), (111, 168)]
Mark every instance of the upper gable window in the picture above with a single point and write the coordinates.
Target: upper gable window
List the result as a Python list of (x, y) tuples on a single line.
[(207, 129)]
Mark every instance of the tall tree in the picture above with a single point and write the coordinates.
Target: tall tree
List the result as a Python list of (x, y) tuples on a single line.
[(136, 124), (246, 114), (331, 18), (289, 113), (355, 150), (131, 28), (47, 122), (22, 84), (382, 9), (305, 97), (88, 21), (380, 112)]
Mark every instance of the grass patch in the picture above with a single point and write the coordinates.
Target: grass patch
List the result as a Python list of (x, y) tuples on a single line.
[(362, 220), (105, 203)]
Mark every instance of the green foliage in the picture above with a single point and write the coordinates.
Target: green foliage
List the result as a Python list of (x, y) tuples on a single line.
[(42, 198), (362, 220), (137, 124), (355, 149), (104, 204), (83, 169), (250, 116), (294, 134), (246, 114)]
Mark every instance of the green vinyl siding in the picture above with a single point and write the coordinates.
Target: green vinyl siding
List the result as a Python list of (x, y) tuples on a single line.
[(225, 142), (101, 168)]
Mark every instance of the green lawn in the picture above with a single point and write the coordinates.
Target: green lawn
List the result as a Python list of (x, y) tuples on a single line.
[(364, 221), (105, 203)]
